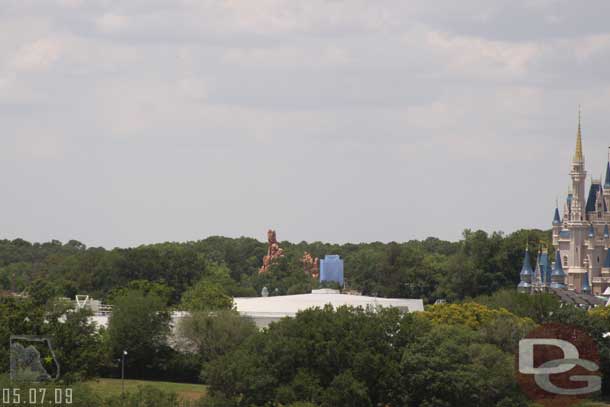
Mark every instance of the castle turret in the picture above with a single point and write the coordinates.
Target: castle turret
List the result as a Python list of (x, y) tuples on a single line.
[(556, 226), (596, 205), (607, 183), (558, 277), (557, 218), (578, 175), (582, 235), (542, 273), (526, 274), (545, 265), (537, 281)]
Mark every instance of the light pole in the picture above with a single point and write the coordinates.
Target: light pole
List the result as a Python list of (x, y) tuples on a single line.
[(123, 373)]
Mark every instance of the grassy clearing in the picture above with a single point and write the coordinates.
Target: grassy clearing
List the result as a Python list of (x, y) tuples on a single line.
[(110, 387)]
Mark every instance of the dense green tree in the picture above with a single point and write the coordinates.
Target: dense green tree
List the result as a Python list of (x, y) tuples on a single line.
[(139, 325), (209, 335), (144, 286), (539, 307), (206, 296), (364, 358), (77, 343)]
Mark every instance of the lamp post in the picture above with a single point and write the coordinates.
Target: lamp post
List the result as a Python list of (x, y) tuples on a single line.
[(123, 373)]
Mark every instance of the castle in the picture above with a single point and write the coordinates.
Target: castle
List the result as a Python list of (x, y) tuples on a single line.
[(581, 237)]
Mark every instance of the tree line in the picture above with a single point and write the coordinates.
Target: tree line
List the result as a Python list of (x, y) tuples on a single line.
[(480, 263)]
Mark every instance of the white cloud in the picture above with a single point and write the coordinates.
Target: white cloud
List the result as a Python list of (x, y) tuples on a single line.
[(476, 56), (109, 22), (340, 96), (38, 55)]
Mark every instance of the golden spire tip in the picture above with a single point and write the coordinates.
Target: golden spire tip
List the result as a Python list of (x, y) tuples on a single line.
[(578, 156)]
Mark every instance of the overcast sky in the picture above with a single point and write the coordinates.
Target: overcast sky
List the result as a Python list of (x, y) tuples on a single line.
[(130, 122)]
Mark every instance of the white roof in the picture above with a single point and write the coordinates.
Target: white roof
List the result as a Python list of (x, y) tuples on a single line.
[(607, 292), (267, 309), (289, 305)]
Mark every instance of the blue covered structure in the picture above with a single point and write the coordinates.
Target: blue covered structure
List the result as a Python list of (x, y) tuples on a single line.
[(526, 273), (556, 218), (331, 269), (544, 265), (558, 276)]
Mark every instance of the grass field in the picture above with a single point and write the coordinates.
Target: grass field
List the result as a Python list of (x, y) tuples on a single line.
[(109, 387)]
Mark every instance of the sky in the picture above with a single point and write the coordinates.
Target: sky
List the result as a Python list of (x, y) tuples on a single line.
[(132, 122)]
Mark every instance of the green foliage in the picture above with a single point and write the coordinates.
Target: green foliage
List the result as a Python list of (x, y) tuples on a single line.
[(77, 344), (206, 296), (209, 335), (431, 269), (470, 314), (451, 366), (539, 307), (148, 396), (140, 325), (144, 286), (346, 390), (364, 358)]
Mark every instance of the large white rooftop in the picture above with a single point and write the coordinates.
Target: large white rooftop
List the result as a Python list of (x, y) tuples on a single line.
[(264, 310), (268, 309)]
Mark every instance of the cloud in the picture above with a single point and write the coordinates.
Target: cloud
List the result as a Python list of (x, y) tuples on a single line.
[(38, 55), (109, 22), (475, 56), (213, 117)]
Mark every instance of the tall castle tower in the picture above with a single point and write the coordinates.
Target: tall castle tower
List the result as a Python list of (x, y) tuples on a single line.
[(582, 236)]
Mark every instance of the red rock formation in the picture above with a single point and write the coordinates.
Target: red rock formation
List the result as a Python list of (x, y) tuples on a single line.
[(311, 265), (274, 251)]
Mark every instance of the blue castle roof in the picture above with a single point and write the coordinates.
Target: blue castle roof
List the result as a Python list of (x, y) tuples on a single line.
[(527, 270), (607, 184), (557, 218), (591, 231), (545, 268), (607, 262), (558, 269), (592, 200), (558, 273), (606, 232)]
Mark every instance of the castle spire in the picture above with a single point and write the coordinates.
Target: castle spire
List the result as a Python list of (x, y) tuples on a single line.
[(558, 275), (607, 183), (557, 218), (578, 156), (526, 272)]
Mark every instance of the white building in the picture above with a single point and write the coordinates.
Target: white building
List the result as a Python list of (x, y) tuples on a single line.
[(264, 310)]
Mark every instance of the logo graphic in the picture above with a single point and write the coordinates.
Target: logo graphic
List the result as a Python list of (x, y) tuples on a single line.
[(558, 365), (32, 359)]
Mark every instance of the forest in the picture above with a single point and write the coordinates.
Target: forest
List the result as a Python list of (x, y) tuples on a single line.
[(456, 353), (480, 263)]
